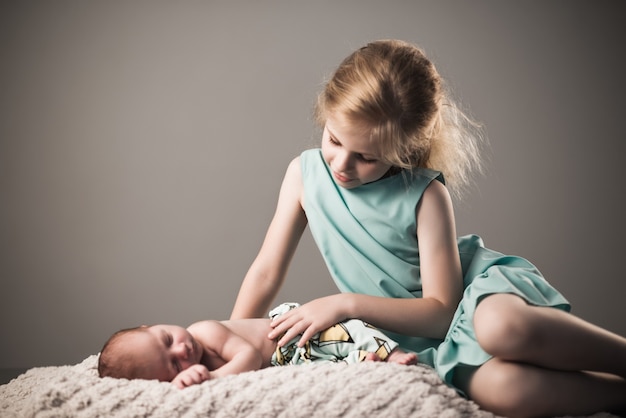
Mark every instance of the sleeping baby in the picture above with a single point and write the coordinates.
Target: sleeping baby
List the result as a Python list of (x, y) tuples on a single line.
[(211, 349)]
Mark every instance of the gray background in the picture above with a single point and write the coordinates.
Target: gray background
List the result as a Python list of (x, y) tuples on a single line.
[(143, 145)]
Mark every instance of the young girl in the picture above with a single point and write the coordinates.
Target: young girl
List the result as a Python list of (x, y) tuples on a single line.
[(380, 212)]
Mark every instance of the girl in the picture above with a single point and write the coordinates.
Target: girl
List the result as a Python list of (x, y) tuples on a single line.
[(380, 212)]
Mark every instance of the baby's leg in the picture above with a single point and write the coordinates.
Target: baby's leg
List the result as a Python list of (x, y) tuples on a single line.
[(396, 356), (373, 357), (401, 357)]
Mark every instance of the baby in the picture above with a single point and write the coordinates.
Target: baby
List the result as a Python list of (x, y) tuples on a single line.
[(211, 349)]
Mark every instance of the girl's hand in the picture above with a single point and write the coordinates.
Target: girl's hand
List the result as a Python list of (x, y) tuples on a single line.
[(192, 375), (309, 319)]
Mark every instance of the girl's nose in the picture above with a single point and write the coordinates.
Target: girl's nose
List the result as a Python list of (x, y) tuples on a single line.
[(343, 162)]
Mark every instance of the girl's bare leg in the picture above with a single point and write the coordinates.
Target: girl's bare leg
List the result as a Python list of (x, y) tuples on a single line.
[(521, 390), (509, 329), (539, 358)]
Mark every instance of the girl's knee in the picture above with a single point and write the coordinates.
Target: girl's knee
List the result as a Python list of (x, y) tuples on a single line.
[(503, 326)]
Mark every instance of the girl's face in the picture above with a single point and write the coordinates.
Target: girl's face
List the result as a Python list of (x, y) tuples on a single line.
[(351, 156)]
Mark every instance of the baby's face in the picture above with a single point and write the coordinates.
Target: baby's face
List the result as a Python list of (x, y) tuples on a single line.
[(165, 351)]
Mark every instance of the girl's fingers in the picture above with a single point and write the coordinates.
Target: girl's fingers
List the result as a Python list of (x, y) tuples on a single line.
[(289, 335), (291, 324), (286, 317), (288, 331), (306, 336), (283, 325)]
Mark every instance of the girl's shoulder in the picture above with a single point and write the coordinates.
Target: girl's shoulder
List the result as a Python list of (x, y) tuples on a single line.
[(309, 164), (436, 191), (294, 171), (428, 175), (311, 153)]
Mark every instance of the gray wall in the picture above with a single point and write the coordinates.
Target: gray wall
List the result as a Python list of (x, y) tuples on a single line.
[(143, 145)]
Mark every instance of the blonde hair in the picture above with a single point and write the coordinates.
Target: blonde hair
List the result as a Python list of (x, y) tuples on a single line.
[(395, 90)]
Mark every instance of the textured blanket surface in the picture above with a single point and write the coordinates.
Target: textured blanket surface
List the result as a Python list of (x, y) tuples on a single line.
[(322, 390)]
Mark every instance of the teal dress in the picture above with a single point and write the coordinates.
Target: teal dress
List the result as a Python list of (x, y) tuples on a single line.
[(367, 237)]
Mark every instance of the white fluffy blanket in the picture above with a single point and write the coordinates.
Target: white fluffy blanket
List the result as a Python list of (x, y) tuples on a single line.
[(322, 390)]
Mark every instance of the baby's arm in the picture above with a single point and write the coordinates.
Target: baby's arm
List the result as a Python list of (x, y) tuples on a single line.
[(228, 352), (192, 375)]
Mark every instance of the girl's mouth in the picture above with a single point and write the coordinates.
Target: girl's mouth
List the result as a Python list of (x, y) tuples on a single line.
[(341, 178)]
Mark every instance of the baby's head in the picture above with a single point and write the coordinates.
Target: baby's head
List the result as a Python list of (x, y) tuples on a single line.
[(393, 90), (149, 352)]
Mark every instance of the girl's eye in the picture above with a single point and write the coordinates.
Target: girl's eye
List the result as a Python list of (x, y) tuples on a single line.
[(367, 160), (333, 141)]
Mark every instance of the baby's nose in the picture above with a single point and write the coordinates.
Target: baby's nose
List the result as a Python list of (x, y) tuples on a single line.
[(182, 351)]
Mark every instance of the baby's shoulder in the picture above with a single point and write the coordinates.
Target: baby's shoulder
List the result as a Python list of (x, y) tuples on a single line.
[(204, 327)]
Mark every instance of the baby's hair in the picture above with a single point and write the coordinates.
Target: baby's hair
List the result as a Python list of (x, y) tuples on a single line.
[(113, 361), (395, 90)]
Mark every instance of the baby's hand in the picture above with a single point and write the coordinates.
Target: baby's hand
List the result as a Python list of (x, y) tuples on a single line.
[(193, 375)]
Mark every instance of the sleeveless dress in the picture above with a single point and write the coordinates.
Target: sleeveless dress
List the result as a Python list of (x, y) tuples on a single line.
[(367, 237)]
